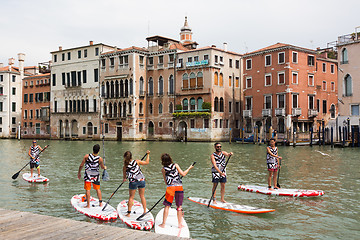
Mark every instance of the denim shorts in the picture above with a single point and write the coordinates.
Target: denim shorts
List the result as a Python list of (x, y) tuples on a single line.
[(136, 185)]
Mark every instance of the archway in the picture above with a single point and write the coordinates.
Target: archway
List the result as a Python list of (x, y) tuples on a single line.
[(151, 128), (74, 128), (182, 131), (90, 128)]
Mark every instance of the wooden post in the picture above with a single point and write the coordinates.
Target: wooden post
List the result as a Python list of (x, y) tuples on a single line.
[(352, 136), (311, 136), (331, 137), (230, 137), (294, 138), (344, 135)]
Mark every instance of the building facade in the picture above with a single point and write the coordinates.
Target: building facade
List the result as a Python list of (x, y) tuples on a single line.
[(36, 107), (288, 88), (75, 98), (348, 47)]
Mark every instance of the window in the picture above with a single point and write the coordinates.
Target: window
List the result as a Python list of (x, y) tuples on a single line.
[(216, 104), (347, 86), (281, 78), (31, 97), (324, 107), (96, 75), (1, 106), (295, 100), (160, 108), (220, 123), (1, 78), (31, 114), (294, 57), (237, 82), (230, 63), (216, 123), (333, 86), (79, 53), (13, 91), (216, 79), (185, 104), (97, 51), (151, 87), (171, 124), (151, 60), (230, 81), (199, 78), (196, 58), (281, 100), (160, 124), (200, 102), (112, 62), (13, 106), (216, 59), (221, 60), (63, 57), (248, 82), (221, 104), (318, 105), (25, 98), (324, 85), (268, 79), (103, 63), (171, 58), (230, 107), (140, 127), (237, 107), (311, 80), (355, 110), (267, 102), (248, 64), (324, 67), (55, 58), (237, 64), (13, 78), (281, 58), (311, 60), (344, 56), (185, 80), (69, 56), (189, 59), (206, 123), (221, 80), (85, 53), (171, 108), (332, 68), (206, 57), (267, 60), (311, 102), (54, 79), (192, 123), (294, 78), (192, 80), (13, 120)]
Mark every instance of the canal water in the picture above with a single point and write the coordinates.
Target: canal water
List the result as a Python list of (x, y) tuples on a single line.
[(332, 216)]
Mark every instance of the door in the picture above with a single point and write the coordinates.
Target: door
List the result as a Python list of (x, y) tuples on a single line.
[(119, 133)]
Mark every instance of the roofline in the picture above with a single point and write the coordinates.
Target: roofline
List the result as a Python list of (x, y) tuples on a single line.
[(37, 76), (97, 44), (280, 48)]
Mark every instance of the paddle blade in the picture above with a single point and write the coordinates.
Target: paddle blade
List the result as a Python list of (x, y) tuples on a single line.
[(141, 216), (104, 207), (105, 176), (15, 175)]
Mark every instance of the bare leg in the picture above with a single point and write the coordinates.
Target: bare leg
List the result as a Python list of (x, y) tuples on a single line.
[(38, 170), (214, 191), (269, 180), (222, 192), (99, 196), (31, 172), (142, 198), (179, 217), (275, 180), (131, 200), (87, 194), (166, 213)]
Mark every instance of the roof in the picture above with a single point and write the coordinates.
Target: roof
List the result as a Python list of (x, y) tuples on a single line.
[(214, 48), (14, 70), (38, 76), (125, 49), (160, 40), (278, 46), (69, 49)]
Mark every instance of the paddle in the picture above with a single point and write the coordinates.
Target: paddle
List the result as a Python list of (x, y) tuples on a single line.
[(212, 195), (118, 188), (105, 175), (278, 185), (142, 215), (17, 174)]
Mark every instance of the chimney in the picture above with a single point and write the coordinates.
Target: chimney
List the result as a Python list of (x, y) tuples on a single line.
[(225, 46), (214, 46), (60, 48), (21, 57), (11, 62), (91, 43)]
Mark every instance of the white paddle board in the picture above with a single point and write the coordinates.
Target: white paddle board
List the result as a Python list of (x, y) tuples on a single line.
[(281, 191), (95, 211), (171, 225), (146, 222), (35, 178), (231, 206)]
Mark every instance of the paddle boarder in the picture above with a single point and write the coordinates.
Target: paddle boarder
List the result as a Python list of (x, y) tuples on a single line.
[(218, 172), (34, 152), (171, 173), (133, 173), (272, 161), (92, 161)]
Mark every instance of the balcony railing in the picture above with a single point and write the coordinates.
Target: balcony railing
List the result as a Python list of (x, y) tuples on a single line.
[(280, 112), (247, 113), (141, 93), (296, 111), (266, 112), (312, 113)]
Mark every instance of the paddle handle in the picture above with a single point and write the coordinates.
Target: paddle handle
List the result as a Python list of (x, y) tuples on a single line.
[(112, 196), (277, 181)]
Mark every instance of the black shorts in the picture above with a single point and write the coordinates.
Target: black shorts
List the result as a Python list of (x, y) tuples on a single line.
[(34, 165), (216, 178)]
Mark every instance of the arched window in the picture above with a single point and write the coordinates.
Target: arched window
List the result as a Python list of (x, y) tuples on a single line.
[(348, 85), (160, 108), (141, 108), (161, 85), (124, 109), (141, 86), (216, 79), (112, 90), (121, 88), (171, 85), (110, 110), (281, 125), (185, 79), (131, 87), (103, 90), (126, 88), (116, 88), (70, 106), (200, 80), (83, 106), (130, 111), (221, 81), (332, 111), (344, 56), (115, 110), (192, 104), (90, 128), (107, 90), (171, 108), (221, 104), (150, 108), (192, 80), (216, 104), (74, 106), (199, 103), (151, 87), (185, 104), (120, 109)]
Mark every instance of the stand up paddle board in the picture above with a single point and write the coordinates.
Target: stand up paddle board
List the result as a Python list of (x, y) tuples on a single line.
[(35, 178), (146, 223), (231, 206), (281, 191), (95, 211), (171, 225)]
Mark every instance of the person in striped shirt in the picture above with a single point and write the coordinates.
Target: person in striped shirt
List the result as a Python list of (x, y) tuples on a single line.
[(34, 152)]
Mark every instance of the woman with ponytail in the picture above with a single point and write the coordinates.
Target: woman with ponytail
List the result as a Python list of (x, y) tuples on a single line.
[(133, 173)]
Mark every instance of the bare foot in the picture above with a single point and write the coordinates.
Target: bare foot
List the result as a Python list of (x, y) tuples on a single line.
[(223, 201), (87, 207), (271, 189), (127, 215), (180, 226), (100, 205), (162, 225), (276, 188)]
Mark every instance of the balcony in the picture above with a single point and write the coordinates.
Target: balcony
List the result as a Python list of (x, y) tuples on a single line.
[(141, 93), (312, 113), (170, 65), (280, 112), (296, 111), (247, 113), (204, 113), (150, 67), (160, 66), (266, 112)]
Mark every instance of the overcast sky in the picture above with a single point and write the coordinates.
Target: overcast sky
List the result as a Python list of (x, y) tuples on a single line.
[(37, 27)]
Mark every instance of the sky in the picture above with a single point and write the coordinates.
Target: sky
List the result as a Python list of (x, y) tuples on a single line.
[(37, 27)]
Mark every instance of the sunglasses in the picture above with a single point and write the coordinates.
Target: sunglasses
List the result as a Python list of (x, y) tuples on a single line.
[(34, 142), (218, 146)]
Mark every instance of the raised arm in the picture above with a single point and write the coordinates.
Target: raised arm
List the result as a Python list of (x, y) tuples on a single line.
[(183, 173), (147, 160), (227, 154)]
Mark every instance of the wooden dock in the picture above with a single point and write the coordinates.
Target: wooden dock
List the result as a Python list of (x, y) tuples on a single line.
[(26, 225)]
